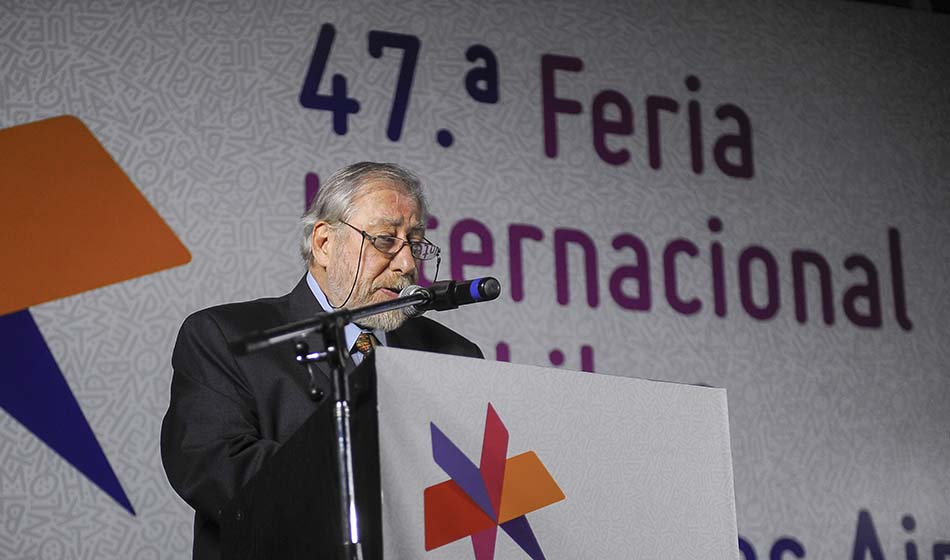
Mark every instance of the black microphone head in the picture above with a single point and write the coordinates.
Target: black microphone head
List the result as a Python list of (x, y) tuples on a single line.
[(489, 288), (412, 310)]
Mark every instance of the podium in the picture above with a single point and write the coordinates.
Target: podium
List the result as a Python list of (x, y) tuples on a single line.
[(458, 458)]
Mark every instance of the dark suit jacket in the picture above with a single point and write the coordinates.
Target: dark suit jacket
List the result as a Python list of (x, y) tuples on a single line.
[(228, 414)]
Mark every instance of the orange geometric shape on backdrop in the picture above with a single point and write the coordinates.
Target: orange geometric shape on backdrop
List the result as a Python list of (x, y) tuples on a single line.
[(71, 219)]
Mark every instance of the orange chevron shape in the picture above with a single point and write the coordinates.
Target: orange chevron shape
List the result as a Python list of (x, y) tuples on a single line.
[(71, 219), (527, 487), (451, 515)]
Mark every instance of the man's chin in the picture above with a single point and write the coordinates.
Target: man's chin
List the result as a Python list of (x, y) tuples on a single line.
[(388, 321)]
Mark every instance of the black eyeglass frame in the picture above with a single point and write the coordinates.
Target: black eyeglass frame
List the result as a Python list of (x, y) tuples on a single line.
[(416, 248)]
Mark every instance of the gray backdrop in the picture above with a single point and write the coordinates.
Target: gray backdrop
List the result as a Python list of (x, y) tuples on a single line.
[(199, 104)]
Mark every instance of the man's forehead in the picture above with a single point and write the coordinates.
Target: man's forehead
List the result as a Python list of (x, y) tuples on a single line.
[(394, 221), (378, 209)]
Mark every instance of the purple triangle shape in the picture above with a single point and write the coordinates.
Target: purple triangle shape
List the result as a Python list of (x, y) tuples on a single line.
[(34, 392), (520, 531), (460, 469)]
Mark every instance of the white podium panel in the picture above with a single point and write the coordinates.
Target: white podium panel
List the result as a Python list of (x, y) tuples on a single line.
[(483, 459)]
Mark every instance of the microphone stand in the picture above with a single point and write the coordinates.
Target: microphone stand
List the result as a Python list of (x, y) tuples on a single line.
[(335, 354)]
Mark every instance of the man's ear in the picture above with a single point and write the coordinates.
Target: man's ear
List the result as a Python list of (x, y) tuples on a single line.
[(320, 243)]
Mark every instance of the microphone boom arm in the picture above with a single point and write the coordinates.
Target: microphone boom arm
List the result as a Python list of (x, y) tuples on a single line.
[(300, 329)]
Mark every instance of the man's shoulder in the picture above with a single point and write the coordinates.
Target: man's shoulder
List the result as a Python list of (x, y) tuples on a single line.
[(422, 333), (234, 319)]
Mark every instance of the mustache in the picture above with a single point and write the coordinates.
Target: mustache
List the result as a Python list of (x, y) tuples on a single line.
[(397, 283)]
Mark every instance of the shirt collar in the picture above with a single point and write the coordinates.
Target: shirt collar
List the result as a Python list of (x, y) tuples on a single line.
[(351, 330)]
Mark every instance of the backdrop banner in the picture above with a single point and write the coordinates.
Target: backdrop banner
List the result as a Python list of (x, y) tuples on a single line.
[(750, 196)]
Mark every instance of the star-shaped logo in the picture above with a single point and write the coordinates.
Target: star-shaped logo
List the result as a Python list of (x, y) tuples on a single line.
[(497, 493)]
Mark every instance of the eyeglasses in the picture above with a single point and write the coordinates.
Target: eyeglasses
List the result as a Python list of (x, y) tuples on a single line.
[(389, 245)]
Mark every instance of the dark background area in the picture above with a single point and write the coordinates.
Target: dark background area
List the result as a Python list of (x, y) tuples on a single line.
[(936, 6)]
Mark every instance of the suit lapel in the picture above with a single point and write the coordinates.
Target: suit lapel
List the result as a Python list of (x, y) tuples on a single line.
[(304, 305), (406, 337)]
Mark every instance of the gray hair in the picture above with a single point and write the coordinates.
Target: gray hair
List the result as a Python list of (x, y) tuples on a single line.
[(334, 201)]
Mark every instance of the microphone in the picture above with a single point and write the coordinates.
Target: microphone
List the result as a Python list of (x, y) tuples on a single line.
[(449, 294)]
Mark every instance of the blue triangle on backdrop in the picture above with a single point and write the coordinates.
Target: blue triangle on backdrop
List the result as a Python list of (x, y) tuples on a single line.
[(34, 392)]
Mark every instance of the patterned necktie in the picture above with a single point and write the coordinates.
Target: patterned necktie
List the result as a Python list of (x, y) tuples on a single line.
[(365, 343)]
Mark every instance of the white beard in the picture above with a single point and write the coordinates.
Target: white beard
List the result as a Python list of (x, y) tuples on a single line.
[(388, 321), (340, 280)]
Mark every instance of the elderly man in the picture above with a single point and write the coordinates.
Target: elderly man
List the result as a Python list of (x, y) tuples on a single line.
[(362, 240)]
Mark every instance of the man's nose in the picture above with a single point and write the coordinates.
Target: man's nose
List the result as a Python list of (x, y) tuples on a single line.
[(403, 261)]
